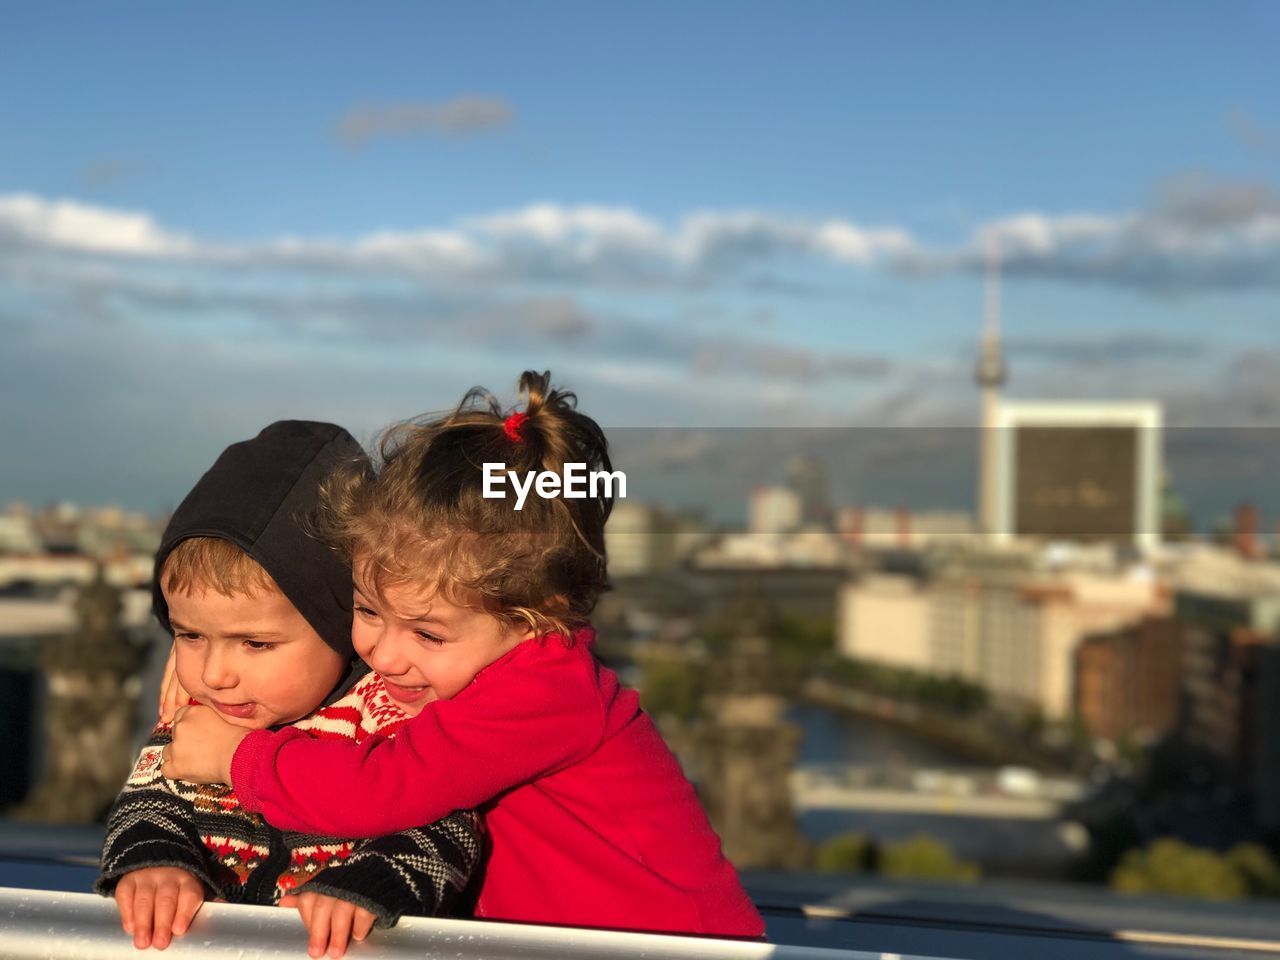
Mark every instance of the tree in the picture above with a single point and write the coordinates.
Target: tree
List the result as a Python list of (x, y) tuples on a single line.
[(925, 857), (1170, 866), (1257, 867), (847, 853), (672, 688)]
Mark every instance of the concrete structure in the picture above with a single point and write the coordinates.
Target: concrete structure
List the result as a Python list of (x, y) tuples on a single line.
[(754, 551), (999, 622), (807, 478), (100, 531), (774, 510), (93, 685), (1129, 681), (1231, 672), (1079, 471), (886, 618), (23, 618), (634, 540), (880, 529), (46, 573), (18, 535), (746, 751)]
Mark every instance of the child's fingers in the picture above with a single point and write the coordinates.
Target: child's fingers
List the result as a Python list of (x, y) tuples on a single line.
[(363, 923), (306, 902), (288, 900), (318, 927), (166, 906), (340, 928), (124, 902), (190, 899), (144, 899), (168, 681)]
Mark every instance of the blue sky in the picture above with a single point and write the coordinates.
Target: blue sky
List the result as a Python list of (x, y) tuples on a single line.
[(699, 215)]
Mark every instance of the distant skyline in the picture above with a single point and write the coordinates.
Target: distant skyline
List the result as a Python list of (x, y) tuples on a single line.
[(697, 216)]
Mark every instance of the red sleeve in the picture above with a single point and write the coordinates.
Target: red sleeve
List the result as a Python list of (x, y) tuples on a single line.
[(508, 728)]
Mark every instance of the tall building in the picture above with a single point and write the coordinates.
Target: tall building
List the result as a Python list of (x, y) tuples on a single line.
[(774, 510), (1079, 472), (807, 477), (636, 541), (1129, 681), (1229, 611), (1063, 471), (1230, 639), (885, 617), (992, 375), (997, 622)]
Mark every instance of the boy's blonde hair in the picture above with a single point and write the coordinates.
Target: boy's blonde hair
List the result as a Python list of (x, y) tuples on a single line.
[(212, 563)]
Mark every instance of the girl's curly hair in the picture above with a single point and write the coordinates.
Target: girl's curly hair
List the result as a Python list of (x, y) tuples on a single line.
[(417, 516)]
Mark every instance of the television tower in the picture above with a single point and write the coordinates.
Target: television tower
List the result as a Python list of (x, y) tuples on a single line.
[(991, 376)]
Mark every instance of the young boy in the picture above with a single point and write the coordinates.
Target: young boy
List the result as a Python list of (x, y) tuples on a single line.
[(261, 618)]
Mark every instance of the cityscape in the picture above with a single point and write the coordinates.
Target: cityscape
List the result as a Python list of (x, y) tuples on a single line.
[(1068, 683), (937, 350)]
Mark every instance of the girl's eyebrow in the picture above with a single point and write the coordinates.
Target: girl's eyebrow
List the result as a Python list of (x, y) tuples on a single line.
[(427, 618), (424, 617)]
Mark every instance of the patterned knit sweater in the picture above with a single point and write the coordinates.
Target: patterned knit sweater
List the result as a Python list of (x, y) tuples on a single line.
[(157, 822)]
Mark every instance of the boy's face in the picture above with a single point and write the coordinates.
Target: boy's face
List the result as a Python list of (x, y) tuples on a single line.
[(256, 660), (424, 647)]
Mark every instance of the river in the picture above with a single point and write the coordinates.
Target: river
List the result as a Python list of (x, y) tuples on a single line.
[(1008, 847)]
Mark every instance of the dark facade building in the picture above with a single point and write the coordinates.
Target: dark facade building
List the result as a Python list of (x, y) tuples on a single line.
[(1230, 686), (1129, 681)]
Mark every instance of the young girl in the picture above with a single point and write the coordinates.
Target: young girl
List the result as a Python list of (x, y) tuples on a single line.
[(475, 614)]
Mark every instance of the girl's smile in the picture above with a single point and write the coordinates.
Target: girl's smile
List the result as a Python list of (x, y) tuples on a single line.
[(424, 647)]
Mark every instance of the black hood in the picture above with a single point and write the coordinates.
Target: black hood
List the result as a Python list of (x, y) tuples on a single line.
[(256, 495)]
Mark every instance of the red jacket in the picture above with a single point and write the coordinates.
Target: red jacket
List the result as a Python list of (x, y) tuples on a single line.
[(591, 820)]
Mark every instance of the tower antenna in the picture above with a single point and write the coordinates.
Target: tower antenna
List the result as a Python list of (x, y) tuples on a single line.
[(991, 377)]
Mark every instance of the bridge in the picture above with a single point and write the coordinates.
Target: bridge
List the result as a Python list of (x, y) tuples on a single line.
[(1003, 793)]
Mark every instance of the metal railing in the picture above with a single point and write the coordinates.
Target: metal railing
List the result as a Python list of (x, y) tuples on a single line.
[(70, 926)]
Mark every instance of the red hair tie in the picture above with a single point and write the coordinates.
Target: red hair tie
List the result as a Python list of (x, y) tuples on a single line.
[(511, 427)]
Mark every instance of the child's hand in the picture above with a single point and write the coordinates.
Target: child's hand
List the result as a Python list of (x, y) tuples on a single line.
[(202, 746), (330, 922), (172, 696), (157, 904)]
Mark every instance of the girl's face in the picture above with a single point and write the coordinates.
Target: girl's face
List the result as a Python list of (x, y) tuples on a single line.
[(424, 647)]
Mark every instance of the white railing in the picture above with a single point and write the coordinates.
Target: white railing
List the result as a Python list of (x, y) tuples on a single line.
[(70, 926)]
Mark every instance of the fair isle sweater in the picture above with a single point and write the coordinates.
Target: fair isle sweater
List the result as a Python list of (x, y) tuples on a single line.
[(589, 819), (241, 858)]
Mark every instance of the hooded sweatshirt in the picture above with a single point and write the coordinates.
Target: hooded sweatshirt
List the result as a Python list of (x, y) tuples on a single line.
[(257, 495)]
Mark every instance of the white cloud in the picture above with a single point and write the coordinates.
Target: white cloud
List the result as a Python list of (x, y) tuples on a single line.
[(1196, 234), (26, 219), (549, 223), (844, 241)]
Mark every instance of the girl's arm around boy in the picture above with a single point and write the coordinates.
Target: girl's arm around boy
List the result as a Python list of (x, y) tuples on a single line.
[(539, 709)]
